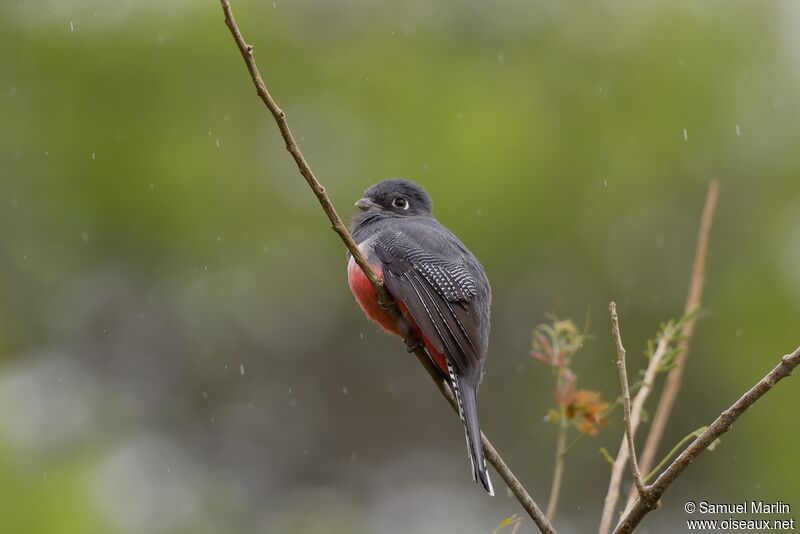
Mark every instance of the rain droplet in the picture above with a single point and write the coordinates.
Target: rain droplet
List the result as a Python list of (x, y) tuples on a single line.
[(685, 134), (71, 26), (93, 156), (241, 369), (344, 390), (290, 390), (738, 131), (217, 142), (605, 183)]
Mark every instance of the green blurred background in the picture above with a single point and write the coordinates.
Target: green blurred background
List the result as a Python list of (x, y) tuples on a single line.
[(179, 351)]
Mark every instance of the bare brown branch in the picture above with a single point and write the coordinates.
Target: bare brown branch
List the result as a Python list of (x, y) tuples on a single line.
[(673, 383), (618, 467), (626, 397), (650, 499), (384, 298)]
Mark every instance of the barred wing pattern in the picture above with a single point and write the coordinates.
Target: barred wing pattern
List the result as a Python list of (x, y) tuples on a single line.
[(438, 293)]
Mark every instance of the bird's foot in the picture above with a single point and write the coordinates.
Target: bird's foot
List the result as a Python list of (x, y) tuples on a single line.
[(386, 306), (414, 346)]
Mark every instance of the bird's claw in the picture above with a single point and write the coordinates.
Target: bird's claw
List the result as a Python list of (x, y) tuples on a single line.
[(414, 347)]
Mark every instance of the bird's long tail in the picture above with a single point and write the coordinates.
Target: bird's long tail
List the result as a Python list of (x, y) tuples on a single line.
[(467, 396)]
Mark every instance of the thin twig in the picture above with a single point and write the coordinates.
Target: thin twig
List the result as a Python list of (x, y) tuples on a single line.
[(678, 446), (650, 499), (673, 383), (626, 397), (618, 467), (558, 469), (383, 296)]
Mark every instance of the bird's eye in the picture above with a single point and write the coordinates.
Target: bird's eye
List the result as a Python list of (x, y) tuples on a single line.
[(400, 203)]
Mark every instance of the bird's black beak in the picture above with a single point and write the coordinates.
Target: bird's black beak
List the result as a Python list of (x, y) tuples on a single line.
[(365, 203)]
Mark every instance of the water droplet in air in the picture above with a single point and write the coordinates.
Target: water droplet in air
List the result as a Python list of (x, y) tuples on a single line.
[(241, 369), (217, 142), (344, 390), (685, 134), (71, 26), (738, 131), (93, 156)]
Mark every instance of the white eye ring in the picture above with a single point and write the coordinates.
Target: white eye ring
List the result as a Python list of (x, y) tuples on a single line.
[(400, 203)]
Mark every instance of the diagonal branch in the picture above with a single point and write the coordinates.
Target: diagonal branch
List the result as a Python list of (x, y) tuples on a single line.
[(384, 298), (650, 499)]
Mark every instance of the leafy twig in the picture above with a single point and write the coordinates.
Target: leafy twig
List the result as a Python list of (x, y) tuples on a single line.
[(675, 376)]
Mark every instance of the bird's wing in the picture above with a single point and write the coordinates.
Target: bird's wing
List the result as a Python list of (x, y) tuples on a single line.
[(439, 295)]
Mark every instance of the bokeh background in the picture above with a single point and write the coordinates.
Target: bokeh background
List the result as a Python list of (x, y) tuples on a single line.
[(179, 351)]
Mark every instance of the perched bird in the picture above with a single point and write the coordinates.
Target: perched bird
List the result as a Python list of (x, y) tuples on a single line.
[(440, 288)]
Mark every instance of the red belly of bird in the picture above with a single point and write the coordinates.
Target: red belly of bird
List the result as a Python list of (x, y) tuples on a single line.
[(365, 296)]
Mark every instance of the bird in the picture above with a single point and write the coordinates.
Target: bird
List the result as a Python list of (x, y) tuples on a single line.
[(440, 288)]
